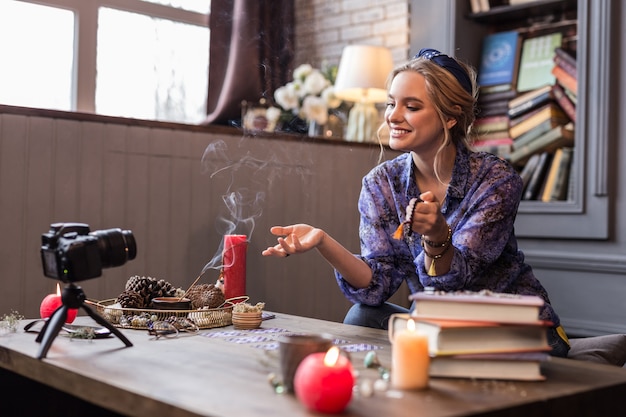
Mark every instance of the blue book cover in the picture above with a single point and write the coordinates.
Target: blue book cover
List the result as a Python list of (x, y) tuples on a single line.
[(498, 63)]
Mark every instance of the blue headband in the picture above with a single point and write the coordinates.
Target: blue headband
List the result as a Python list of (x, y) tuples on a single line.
[(449, 64)]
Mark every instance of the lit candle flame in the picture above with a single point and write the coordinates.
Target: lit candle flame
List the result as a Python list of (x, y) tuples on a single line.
[(410, 325), (331, 356)]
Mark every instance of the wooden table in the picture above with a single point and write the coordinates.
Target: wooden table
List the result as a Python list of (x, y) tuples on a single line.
[(210, 374)]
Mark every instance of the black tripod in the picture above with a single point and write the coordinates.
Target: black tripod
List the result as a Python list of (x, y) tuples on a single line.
[(72, 296)]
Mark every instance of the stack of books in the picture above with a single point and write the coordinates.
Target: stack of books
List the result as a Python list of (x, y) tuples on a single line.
[(481, 335)]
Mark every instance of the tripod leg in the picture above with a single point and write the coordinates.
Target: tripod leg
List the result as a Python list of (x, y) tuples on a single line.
[(100, 320), (51, 330)]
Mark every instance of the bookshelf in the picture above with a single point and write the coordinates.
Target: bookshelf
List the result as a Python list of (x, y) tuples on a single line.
[(453, 28)]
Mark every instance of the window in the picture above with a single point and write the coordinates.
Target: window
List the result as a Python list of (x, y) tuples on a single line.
[(126, 58)]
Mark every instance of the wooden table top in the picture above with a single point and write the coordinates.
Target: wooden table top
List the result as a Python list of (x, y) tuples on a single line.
[(223, 372)]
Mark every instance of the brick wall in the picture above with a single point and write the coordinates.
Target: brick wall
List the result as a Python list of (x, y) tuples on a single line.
[(324, 27)]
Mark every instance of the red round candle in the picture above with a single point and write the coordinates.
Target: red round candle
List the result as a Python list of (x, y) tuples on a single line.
[(234, 265), (53, 301), (324, 381)]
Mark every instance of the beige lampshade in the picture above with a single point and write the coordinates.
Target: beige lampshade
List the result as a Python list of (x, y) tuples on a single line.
[(362, 73)]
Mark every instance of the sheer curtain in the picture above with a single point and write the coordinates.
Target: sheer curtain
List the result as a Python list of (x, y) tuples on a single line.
[(251, 54)]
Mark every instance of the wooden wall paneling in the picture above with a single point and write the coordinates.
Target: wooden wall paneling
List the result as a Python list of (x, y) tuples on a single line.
[(91, 190), (36, 217), (179, 225), (203, 241), (67, 151), (158, 208), (13, 186), (115, 206), (136, 198)]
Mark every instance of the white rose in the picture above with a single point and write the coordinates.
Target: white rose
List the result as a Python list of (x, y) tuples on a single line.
[(314, 108), (287, 97), (315, 83), (302, 72), (331, 99)]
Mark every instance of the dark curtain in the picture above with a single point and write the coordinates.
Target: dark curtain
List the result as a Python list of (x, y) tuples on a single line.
[(251, 54)]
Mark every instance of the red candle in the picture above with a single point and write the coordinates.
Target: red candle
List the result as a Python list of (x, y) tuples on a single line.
[(324, 381), (53, 301), (234, 265)]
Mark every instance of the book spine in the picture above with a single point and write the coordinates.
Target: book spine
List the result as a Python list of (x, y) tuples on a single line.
[(565, 79), (566, 56), (550, 181), (561, 182), (529, 105), (564, 101), (537, 178), (567, 67)]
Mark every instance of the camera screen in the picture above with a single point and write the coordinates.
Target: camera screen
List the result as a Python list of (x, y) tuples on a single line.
[(49, 263)]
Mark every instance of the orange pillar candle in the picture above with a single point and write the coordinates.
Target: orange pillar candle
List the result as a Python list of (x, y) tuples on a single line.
[(409, 359), (323, 381), (234, 265), (50, 304)]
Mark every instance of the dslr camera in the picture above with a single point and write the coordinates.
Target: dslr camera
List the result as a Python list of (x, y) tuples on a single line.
[(70, 252)]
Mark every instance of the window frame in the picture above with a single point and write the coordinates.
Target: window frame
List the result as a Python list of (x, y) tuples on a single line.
[(85, 51)]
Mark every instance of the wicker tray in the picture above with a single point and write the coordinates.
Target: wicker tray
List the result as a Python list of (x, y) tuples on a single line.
[(138, 318)]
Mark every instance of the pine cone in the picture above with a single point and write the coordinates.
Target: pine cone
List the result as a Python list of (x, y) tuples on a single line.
[(205, 296), (150, 288), (131, 299)]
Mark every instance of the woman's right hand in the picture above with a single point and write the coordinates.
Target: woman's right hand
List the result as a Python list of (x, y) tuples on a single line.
[(297, 238)]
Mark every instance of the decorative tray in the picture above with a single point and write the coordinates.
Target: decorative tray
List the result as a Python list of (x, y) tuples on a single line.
[(138, 318)]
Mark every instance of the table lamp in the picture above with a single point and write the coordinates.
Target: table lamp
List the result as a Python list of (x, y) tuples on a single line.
[(361, 78)]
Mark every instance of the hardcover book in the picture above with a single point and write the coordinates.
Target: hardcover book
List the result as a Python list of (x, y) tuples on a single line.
[(530, 100), (566, 60), (549, 111), (537, 179), (454, 337), (533, 134), (522, 366), (537, 61), (560, 185), (564, 101), (557, 137), (483, 305), (499, 60), (565, 79)]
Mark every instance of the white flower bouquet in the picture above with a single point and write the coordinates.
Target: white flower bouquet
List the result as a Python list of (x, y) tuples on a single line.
[(310, 95)]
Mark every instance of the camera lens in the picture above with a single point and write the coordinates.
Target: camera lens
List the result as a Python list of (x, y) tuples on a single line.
[(116, 246)]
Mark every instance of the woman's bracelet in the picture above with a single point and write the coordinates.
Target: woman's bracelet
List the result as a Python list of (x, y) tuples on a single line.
[(438, 245), (432, 271)]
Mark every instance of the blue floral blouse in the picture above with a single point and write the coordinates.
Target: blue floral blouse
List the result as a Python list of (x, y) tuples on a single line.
[(480, 206)]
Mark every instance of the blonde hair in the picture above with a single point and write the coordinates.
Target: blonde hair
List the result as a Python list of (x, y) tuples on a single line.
[(450, 99)]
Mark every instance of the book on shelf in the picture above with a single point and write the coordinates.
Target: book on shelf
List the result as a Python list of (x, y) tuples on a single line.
[(558, 177), (533, 133), (499, 59), (491, 123), (527, 171), (537, 61), (564, 101), (483, 305), (567, 60), (549, 111), (530, 100), (454, 337), (501, 147), (518, 366), (536, 180), (557, 137), (550, 180), (565, 79), (496, 96)]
